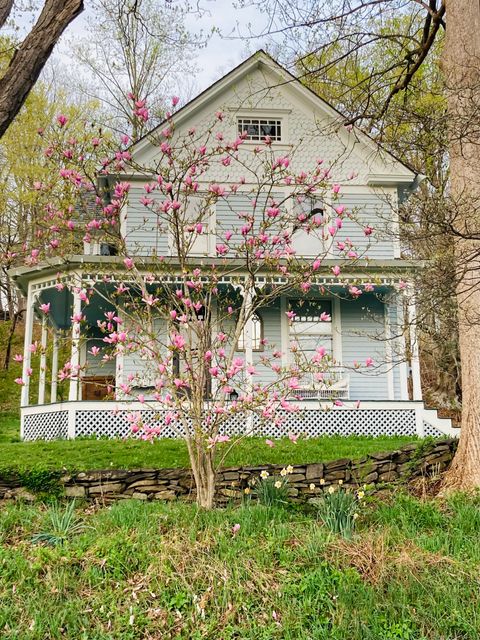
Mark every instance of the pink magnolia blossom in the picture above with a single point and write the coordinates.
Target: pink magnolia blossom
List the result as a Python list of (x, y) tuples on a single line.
[(369, 362), (235, 529), (336, 270), (128, 262), (62, 119), (269, 443), (19, 381), (45, 308), (18, 357)]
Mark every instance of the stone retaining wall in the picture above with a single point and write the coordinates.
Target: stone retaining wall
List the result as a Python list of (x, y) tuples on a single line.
[(305, 481)]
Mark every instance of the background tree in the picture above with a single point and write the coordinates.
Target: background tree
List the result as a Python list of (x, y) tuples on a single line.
[(136, 52)]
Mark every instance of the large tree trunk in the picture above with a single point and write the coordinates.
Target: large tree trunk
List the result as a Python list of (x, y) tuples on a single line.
[(31, 56), (462, 73)]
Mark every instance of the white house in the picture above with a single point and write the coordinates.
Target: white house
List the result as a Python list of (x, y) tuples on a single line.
[(261, 98)]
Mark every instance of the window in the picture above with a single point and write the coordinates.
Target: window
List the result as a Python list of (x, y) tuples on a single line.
[(311, 326), (257, 129), (257, 335)]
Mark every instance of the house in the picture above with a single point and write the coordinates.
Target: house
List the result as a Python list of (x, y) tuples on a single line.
[(260, 98)]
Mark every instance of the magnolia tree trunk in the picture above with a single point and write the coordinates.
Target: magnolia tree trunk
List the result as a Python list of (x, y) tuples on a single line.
[(462, 74), (203, 469)]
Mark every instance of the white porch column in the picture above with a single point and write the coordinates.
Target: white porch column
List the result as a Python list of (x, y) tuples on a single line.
[(248, 343), (75, 354), (389, 353), (214, 331), (43, 362), (27, 354), (415, 359), (53, 388)]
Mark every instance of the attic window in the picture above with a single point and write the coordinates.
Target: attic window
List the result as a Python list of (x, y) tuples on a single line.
[(257, 129)]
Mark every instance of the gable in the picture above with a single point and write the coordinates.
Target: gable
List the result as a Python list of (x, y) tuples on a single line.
[(311, 129)]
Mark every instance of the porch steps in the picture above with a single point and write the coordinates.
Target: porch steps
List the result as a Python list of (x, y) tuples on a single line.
[(444, 425)]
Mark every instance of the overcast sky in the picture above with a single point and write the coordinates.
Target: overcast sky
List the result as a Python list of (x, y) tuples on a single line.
[(221, 53)]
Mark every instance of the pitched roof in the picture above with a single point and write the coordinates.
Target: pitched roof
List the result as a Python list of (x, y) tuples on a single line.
[(258, 58)]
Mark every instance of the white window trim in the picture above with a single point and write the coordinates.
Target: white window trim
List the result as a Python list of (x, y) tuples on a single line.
[(210, 233), (266, 114)]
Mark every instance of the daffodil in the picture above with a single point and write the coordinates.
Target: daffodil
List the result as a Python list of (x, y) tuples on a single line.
[(331, 489), (360, 494), (264, 474), (322, 480), (340, 482), (289, 469), (277, 484), (312, 487), (247, 491), (283, 472)]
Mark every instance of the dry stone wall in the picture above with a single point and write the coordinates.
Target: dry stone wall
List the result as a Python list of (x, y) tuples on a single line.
[(305, 481)]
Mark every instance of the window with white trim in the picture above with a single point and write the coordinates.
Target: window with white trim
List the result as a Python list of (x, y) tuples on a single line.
[(257, 129), (257, 335), (311, 327)]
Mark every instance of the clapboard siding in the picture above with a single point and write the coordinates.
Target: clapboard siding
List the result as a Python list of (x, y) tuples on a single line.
[(368, 209), (141, 368), (143, 235), (96, 366), (272, 333), (362, 321)]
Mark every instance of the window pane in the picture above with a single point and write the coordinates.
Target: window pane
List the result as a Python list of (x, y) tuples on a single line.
[(310, 310), (257, 129)]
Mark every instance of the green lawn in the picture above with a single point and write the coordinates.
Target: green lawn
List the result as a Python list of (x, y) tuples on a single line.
[(98, 454), (148, 571)]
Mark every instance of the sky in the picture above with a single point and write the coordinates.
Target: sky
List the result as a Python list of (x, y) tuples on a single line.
[(222, 53)]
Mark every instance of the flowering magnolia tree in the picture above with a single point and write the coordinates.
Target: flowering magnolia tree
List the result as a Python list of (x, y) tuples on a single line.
[(188, 324)]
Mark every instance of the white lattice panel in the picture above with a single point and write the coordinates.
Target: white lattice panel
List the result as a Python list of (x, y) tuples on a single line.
[(430, 430), (51, 425), (309, 423)]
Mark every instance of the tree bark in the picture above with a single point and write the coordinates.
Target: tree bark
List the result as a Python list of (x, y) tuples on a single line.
[(461, 66), (204, 474), (31, 56)]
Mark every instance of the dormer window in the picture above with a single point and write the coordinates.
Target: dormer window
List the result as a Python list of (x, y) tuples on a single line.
[(257, 129)]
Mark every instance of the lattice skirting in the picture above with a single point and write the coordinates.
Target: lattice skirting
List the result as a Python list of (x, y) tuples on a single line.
[(309, 423), (51, 425), (430, 430)]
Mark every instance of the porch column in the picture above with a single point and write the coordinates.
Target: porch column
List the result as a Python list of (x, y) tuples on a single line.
[(27, 354), (75, 354), (414, 351), (248, 336), (43, 362), (53, 388), (214, 331)]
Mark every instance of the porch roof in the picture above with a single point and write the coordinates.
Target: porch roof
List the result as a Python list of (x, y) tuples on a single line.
[(365, 269)]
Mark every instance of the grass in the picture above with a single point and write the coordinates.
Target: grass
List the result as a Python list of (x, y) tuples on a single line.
[(99, 454), (151, 570)]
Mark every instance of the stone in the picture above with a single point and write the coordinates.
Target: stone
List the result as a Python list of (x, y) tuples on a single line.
[(369, 478), (335, 475), (314, 471), (149, 488), (75, 491), (137, 495), (435, 458), (109, 487), (148, 482), (293, 492), (296, 477), (390, 466), (230, 493), (335, 464), (387, 455), (165, 495), (22, 494), (388, 476), (230, 475)]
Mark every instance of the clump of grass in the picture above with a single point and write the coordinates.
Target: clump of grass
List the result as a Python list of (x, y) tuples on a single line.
[(63, 524), (338, 510)]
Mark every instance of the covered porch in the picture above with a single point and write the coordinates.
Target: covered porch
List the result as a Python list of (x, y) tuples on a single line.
[(86, 403)]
